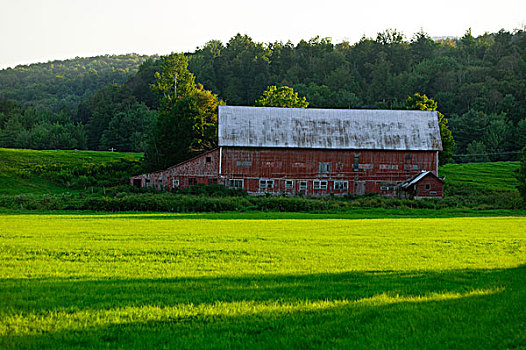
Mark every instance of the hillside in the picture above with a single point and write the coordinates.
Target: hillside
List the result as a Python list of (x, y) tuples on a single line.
[(496, 176), (62, 85), (53, 172)]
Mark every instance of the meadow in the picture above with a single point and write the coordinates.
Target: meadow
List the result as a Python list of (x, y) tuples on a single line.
[(261, 280), (24, 171)]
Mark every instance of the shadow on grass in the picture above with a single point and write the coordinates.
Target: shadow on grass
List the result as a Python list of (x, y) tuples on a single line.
[(447, 309)]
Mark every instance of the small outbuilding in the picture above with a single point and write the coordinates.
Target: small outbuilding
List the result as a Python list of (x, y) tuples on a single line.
[(424, 185)]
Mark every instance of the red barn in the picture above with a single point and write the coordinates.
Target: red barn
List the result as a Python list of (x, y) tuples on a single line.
[(314, 152)]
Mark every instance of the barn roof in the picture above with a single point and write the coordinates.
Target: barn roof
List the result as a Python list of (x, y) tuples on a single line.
[(328, 128)]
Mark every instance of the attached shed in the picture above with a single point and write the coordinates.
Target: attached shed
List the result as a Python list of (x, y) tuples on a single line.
[(424, 185), (312, 151)]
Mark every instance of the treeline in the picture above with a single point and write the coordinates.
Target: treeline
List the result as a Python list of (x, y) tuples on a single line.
[(479, 84), (62, 85)]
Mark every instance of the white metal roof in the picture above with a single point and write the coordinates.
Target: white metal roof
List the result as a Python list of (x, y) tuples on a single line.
[(328, 128), (415, 179)]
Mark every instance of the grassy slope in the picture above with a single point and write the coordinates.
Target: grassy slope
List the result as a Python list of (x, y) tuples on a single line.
[(482, 176), (166, 281), (17, 168)]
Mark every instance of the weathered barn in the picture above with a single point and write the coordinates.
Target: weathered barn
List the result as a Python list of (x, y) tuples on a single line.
[(314, 152)]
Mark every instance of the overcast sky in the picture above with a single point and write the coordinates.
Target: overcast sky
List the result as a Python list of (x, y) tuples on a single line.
[(42, 30)]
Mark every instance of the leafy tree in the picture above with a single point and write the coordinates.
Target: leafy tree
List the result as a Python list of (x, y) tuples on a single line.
[(187, 122), (173, 68), (140, 84), (127, 129), (184, 130), (468, 127), (521, 175), (101, 108), (13, 127), (498, 136), (423, 103), (281, 97), (477, 151), (422, 46)]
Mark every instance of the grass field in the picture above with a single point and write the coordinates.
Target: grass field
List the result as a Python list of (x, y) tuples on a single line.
[(18, 168), (482, 176), (261, 281)]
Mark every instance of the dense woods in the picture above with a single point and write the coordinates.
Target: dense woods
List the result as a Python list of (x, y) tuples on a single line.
[(125, 102)]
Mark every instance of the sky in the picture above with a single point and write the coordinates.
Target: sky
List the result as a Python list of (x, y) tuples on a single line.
[(34, 31)]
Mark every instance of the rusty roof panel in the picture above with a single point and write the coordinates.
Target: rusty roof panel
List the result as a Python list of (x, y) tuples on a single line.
[(328, 128)]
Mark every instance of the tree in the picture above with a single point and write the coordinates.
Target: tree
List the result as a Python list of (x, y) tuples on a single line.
[(521, 175), (173, 69), (187, 128), (477, 151), (187, 122), (282, 97), (422, 46), (423, 103), (127, 129)]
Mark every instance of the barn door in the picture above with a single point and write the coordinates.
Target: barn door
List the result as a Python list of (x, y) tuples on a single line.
[(359, 188)]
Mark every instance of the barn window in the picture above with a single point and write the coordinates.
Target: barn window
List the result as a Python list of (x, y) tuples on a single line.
[(303, 185), (192, 181), (324, 167), (175, 182), (266, 183), (289, 184), (356, 164), (209, 159), (245, 164), (408, 157), (415, 166), (212, 181), (235, 183), (341, 185), (319, 185), (384, 188), (428, 186)]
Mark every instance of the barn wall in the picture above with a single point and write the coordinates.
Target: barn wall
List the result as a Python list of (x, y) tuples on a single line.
[(429, 186), (203, 169), (366, 171), (296, 171)]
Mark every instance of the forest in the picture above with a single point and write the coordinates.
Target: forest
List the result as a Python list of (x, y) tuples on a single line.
[(128, 103)]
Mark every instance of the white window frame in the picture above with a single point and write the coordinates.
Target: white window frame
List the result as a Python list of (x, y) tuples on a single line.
[(266, 184), (319, 185), (236, 183), (289, 184), (340, 185), (303, 185), (175, 182), (324, 167)]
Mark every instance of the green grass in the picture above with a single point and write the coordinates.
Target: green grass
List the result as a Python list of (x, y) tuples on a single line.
[(482, 176), (227, 281), (18, 168)]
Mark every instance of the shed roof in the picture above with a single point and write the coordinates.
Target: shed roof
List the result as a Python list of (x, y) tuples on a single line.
[(328, 128), (419, 177)]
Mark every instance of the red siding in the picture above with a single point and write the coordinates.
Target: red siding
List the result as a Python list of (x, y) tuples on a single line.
[(429, 186), (377, 169), (202, 169), (286, 169)]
